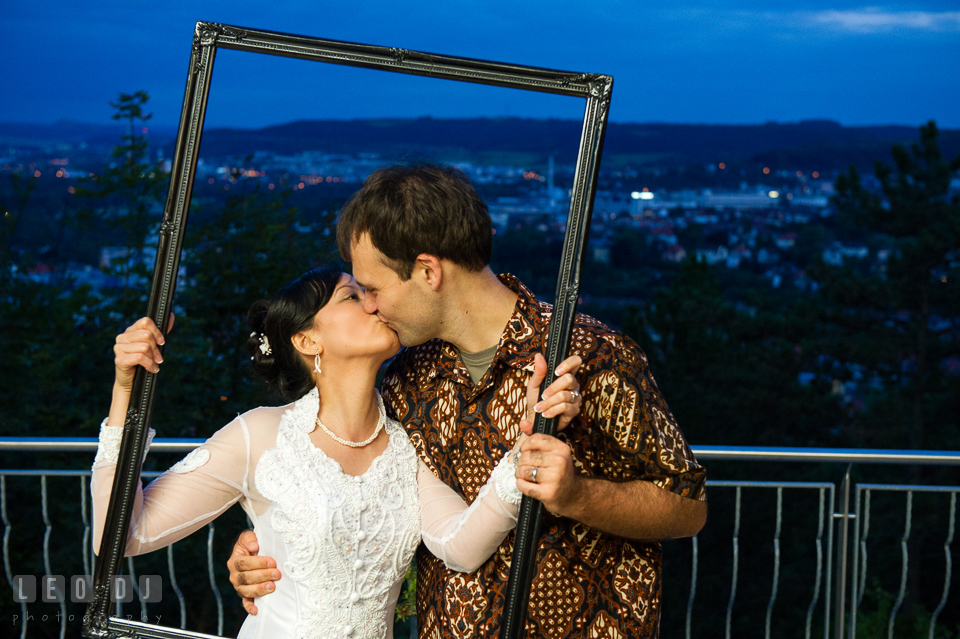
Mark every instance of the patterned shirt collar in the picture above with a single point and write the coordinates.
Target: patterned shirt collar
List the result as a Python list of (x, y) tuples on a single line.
[(519, 342)]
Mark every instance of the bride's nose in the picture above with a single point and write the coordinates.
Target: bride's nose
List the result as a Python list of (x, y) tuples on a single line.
[(369, 302)]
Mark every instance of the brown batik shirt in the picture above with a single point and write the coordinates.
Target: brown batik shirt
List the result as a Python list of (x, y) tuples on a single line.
[(588, 583)]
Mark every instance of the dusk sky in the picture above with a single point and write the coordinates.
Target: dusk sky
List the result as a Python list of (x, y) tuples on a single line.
[(726, 61)]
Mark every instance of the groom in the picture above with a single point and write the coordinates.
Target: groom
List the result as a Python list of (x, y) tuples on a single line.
[(620, 478)]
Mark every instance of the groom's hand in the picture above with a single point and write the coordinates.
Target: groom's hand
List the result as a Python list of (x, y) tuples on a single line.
[(545, 472), (251, 576)]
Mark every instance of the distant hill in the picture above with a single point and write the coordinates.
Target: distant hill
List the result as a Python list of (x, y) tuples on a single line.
[(70, 132), (809, 145)]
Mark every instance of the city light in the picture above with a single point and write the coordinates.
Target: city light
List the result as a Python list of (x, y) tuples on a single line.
[(646, 195), (635, 195), (774, 194)]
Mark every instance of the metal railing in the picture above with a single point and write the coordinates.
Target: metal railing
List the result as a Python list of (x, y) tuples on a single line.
[(828, 585), (87, 554)]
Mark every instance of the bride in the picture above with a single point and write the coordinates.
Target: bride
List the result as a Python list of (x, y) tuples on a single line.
[(333, 486)]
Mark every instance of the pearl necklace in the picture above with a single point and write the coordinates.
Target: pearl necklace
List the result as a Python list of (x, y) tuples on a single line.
[(380, 423)]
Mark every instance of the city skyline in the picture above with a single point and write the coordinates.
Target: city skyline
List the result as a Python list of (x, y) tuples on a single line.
[(730, 62)]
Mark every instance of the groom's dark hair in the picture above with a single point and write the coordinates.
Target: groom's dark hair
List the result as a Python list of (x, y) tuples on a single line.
[(415, 209)]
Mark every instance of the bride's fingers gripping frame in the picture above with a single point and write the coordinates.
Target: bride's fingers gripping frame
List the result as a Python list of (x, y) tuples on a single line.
[(560, 399)]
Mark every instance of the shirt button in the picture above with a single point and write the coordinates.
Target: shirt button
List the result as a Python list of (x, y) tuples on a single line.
[(348, 630), (361, 535), (354, 598), (358, 564)]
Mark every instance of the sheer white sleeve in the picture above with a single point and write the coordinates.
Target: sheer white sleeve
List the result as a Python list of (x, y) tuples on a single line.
[(465, 536), (188, 496), (108, 448)]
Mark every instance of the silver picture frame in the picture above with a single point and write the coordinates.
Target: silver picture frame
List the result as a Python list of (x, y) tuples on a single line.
[(208, 38)]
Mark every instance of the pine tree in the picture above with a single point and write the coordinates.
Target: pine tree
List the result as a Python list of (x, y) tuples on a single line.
[(128, 196), (904, 309)]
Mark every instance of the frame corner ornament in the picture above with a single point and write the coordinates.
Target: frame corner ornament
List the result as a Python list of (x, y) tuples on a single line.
[(601, 86), (209, 34), (96, 625)]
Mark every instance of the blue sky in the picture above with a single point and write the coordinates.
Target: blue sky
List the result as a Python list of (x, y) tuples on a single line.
[(733, 61)]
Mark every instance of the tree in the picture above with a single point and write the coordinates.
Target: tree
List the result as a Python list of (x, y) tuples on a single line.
[(13, 201), (906, 308), (234, 256), (52, 337), (730, 372), (128, 196)]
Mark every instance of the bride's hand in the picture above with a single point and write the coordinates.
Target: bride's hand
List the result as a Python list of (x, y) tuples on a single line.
[(139, 345), (561, 399)]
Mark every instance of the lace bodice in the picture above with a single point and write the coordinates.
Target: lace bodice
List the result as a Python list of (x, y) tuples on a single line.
[(342, 543), (349, 538)]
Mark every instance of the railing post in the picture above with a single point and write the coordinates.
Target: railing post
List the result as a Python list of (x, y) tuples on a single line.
[(842, 546)]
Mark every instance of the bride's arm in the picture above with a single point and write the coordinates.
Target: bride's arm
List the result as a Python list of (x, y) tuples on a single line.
[(465, 536), (183, 499), (192, 493)]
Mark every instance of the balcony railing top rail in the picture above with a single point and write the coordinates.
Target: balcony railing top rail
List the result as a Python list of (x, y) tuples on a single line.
[(732, 453)]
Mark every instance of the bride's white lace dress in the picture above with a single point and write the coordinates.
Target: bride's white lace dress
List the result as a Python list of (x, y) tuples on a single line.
[(342, 543)]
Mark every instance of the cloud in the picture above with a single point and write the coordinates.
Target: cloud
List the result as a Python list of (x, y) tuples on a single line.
[(876, 20)]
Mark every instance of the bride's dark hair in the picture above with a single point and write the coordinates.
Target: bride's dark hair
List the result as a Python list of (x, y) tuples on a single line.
[(289, 312)]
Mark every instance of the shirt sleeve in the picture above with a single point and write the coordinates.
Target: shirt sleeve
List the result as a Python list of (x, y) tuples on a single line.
[(196, 490), (639, 438), (463, 536)]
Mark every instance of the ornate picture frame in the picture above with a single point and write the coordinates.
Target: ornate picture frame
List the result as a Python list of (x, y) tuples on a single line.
[(595, 89)]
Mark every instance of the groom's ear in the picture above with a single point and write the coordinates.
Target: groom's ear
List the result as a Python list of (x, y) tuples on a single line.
[(429, 269)]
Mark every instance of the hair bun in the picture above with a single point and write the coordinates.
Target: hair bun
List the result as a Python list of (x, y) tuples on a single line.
[(261, 356), (275, 322)]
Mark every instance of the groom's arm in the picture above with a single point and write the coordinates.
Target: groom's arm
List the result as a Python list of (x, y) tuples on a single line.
[(644, 482), (633, 509), (251, 575)]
